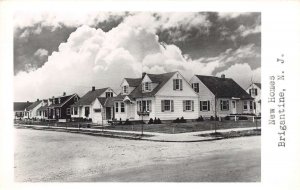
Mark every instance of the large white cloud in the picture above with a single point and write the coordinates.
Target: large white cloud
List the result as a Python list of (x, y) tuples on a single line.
[(92, 57)]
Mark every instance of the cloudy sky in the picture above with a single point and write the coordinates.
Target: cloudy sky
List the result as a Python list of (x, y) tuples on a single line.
[(55, 52)]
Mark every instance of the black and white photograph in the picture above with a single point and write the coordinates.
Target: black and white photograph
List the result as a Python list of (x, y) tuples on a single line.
[(137, 94), (137, 97)]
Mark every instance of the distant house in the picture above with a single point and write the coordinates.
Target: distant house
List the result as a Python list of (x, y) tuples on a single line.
[(221, 96), (31, 111), (42, 112), (92, 105), (59, 108), (255, 92), (166, 96), (19, 109)]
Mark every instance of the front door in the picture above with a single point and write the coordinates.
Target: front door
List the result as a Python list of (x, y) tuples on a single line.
[(233, 106), (108, 113), (130, 111)]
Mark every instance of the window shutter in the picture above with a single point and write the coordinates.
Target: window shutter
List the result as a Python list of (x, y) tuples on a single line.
[(250, 92), (221, 104), (255, 92), (180, 84), (184, 105), (192, 105), (162, 106), (200, 105), (192, 85), (208, 105), (174, 84), (172, 106), (150, 86)]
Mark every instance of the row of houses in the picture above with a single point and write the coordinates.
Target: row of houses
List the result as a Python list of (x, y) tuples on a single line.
[(166, 96)]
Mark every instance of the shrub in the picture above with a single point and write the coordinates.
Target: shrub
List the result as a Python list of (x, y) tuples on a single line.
[(158, 121), (177, 120), (243, 118), (227, 118), (127, 122), (182, 120), (200, 119), (150, 121), (155, 121), (212, 118)]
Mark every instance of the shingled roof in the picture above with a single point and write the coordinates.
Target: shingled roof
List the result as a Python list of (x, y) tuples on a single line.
[(258, 84), (20, 106), (133, 82), (89, 97), (160, 79), (33, 105), (224, 87)]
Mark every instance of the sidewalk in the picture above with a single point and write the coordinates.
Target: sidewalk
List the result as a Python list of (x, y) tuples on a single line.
[(150, 136)]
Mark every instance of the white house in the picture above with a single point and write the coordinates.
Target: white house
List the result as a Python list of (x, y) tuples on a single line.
[(92, 105), (19, 109), (42, 112), (166, 96), (255, 92), (230, 97), (31, 111)]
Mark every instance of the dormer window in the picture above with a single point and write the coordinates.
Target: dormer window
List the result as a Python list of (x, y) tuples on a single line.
[(177, 84), (253, 92), (125, 89), (146, 86), (195, 86), (108, 94)]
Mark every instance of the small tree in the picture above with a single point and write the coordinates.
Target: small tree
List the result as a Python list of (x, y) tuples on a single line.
[(158, 121)]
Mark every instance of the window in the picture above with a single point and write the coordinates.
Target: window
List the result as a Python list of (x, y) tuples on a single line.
[(245, 105), (108, 94), (122, 107), (125, 89), (204, 105), (146, 86), (86, 111), (167, 105), (68, 111), (57, 112), (255, 91), (177, 84), (188, 105), (224, 105), (251, 105), (144, 106), (75, 110), (195, 86), (117, 107), (250, 91)]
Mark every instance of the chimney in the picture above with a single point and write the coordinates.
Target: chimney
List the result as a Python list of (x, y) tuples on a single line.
[(143, 74), (64, 93), (37, 100), (223, 76), (27, 102), (93, 88)]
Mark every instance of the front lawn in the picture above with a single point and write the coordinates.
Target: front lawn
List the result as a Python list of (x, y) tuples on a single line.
[(186, 127)]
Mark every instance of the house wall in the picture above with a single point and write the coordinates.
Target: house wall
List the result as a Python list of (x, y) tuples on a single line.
[(120, 115), (96, 116), (257, 98), (33, 112)]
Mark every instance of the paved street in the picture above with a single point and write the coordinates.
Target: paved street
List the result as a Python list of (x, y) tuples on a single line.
[(53, 156)]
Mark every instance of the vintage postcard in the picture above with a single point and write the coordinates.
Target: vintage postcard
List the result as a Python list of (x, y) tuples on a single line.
[(201, 92)]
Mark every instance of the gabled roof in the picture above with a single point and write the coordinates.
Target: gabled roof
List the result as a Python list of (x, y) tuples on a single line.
[(133, 82), (160, 79), (89, 97), (224, 87), (65, 99), (20, 106), (102, 100), (258, 84), (33, 105), (43, 107)]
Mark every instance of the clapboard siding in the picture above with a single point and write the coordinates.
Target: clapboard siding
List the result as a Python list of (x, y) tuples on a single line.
[(178, 108)]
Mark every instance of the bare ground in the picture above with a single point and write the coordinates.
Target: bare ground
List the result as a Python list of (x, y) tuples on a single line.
[(42, 156)]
